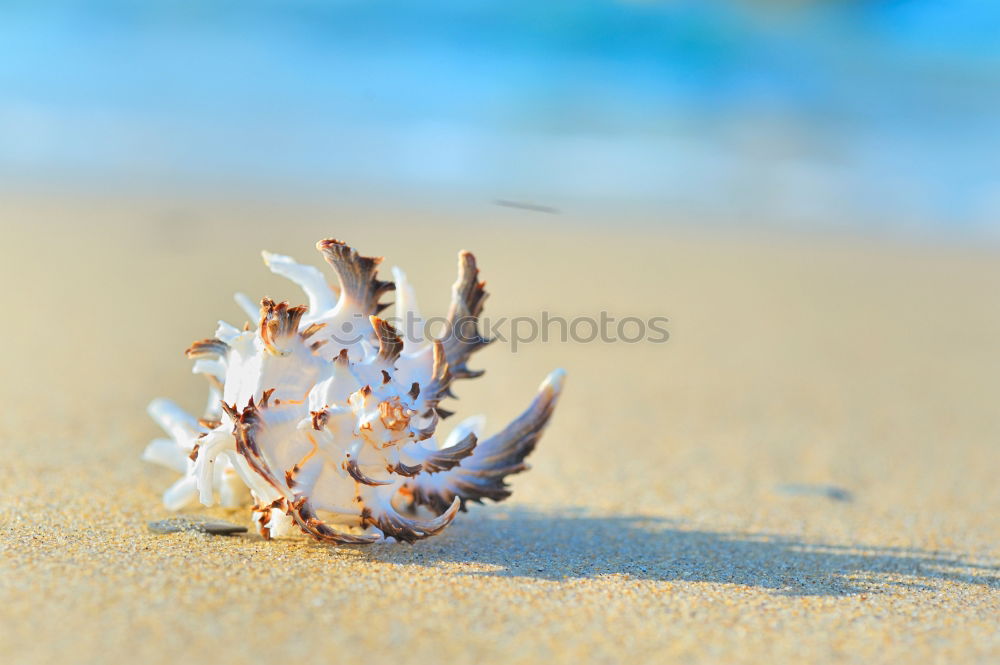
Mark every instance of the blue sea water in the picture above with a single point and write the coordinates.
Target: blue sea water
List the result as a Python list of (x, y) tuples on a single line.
[(868, 113)]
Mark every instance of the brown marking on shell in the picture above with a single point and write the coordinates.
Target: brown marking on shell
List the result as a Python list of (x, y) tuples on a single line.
[(405, 469), (247, 424), (441, 377), (312, 451), (209, 423), (305, 517), (193, 455), (482, 475), (435, 499), (427, 431), (467, 298), (352, 468), (410, 530), (264, 516), (230, 410), (390, 344), (278, 322), (319, 419), (245, 429), (207, 348), (311, 330), (357, 276), (386, 378), (450, 457), (292, 474), (393, 414), (436, 389), (265, 397), (342, 360), (414, 391)]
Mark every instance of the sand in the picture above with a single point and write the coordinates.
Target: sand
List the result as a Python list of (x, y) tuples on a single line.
[(806, 471)]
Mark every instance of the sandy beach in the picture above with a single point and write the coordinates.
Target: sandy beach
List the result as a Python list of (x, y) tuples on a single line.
[(805, 472)]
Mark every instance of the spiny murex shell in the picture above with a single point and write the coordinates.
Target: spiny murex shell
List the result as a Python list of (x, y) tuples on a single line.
[(330, 419)]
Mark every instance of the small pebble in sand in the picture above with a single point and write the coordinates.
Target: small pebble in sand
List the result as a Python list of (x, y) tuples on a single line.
[(828, 491), (179, 524)]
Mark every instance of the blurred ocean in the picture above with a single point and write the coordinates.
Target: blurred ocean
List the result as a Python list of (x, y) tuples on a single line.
[(871, 115)]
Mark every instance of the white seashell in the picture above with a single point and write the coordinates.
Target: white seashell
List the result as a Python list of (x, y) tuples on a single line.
[(330, 418)]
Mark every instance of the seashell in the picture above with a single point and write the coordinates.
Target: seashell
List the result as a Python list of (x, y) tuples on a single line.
[(326, 419)]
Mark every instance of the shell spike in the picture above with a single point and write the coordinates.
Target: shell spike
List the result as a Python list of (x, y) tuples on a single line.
[(309, 279), (247, 305), (468, 295), (390, 344), (359, 286)]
